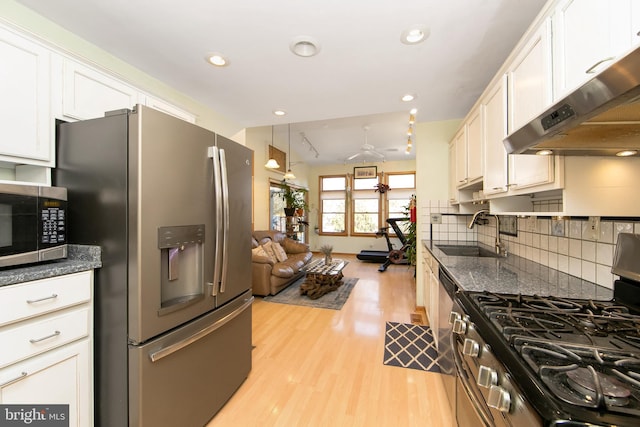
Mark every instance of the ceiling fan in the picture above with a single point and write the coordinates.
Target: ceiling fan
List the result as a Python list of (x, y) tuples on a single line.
[(367, 151)]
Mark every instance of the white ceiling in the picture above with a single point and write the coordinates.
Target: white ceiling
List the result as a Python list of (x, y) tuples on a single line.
[(358, 77)]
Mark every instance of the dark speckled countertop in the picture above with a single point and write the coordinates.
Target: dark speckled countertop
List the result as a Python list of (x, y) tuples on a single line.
[(79, 258), (513, 275)]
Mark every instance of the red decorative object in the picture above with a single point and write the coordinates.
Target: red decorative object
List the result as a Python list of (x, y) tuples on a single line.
[(382, 188), (412, 209)]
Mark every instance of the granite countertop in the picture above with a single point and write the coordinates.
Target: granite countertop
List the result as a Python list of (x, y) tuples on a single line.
[(513, 275), (79, 258)]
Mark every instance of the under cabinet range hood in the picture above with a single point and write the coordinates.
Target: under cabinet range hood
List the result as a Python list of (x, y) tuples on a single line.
[(600, 118)]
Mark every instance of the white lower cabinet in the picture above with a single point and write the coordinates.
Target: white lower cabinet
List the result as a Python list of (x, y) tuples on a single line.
[(431, 289), (46, 355), (59, 376)]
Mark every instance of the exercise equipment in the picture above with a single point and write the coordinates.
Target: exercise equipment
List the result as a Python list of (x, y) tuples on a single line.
[(391, 256)]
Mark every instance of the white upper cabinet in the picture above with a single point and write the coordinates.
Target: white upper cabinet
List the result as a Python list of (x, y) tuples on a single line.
[(475, 161), (167, 108), (453, 184), (25, 105), (635, 23), (460, 141), (530, 78), (88, 93), (494, 105), (589, 35), (530, 92)]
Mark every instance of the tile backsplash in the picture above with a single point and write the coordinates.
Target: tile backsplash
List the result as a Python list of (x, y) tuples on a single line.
[(568, 245)]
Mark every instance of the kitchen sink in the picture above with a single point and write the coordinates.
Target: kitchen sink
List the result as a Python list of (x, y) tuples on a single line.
[(472, 251)]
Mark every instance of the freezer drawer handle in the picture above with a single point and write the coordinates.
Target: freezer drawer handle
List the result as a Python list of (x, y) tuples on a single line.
[(13, 380), (200, 334)]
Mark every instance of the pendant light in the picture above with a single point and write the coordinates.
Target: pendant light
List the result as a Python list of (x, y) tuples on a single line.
[(272, 163), (289, 174)]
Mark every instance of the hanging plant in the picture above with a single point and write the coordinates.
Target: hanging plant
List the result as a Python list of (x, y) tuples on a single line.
[(382, 188)]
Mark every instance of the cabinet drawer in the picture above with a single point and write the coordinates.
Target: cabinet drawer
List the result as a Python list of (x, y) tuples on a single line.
[(29, 299), (35, 337)]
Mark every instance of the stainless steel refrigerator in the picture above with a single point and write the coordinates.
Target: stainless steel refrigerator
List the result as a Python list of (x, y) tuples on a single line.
[(170, 205)]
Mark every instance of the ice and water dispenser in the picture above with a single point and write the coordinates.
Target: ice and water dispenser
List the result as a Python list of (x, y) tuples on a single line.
[(182, 254)]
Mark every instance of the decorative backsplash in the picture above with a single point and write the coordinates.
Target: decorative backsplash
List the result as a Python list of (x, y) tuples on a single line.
[(568, 245)]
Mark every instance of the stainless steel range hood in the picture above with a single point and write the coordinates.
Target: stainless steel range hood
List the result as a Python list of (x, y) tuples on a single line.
[(600, 118)]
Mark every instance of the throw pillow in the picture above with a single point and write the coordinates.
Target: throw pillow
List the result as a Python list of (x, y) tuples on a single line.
[(259, 251), (281, 255), (268, 248)]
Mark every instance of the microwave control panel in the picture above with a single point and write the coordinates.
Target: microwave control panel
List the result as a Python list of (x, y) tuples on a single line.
[(53, 230)]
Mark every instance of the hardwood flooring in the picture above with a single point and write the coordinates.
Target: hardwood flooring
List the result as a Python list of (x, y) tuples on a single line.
[(320, 367)]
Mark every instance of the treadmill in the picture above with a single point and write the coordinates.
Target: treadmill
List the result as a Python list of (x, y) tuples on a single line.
[(391, 256)]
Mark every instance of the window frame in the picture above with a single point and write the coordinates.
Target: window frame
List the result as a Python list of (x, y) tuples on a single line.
[(350, 198), (345, 194)]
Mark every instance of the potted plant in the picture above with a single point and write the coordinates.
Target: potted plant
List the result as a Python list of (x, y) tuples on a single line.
[(293, 199), (327, 250), (299, 203)]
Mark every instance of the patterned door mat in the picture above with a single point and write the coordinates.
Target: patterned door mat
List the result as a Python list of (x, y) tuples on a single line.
[(410, 346)]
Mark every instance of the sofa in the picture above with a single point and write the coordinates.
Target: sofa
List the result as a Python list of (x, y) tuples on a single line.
[(276, 261)]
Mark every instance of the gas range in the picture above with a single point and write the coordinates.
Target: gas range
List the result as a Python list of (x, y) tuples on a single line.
[(574, 360), (545, 360)]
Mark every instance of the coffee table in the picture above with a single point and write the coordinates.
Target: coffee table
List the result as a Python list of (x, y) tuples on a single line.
[(321, 278)]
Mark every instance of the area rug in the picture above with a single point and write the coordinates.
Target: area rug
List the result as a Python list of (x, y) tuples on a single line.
[(333, 300), (410, 346)]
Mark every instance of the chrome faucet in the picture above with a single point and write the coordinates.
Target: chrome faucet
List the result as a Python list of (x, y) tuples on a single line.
[(501, 249)]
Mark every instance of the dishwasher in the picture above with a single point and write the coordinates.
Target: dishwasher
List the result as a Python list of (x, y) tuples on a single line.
[(446, 361)]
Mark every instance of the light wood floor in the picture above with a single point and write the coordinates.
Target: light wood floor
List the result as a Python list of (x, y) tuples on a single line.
[(320, 367)]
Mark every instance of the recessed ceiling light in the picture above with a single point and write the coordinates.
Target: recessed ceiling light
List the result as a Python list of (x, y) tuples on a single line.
[(413, 111), (408, 97), (279, 112), (304, 46), (414, 35), (544, 152), (217, 60), (626, 153)]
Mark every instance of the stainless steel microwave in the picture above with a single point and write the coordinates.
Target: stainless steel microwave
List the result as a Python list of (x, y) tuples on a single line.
[(33, 224)]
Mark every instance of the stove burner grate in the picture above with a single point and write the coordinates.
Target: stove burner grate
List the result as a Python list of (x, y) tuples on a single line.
[(606, 380), (595, 386)]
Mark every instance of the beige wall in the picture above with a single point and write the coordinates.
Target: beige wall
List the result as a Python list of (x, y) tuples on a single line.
[(432, 161)]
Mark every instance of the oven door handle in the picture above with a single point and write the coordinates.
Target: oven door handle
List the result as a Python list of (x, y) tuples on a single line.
[(478, 405)]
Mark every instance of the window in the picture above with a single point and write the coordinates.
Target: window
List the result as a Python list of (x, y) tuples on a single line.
[(353, 204), (333, 205), (403, 186), (366, 206), (292, 227)]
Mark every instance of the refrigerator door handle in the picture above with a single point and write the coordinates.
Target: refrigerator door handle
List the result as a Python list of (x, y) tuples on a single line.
[(217, 194), (172, 348), (225, 218)]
